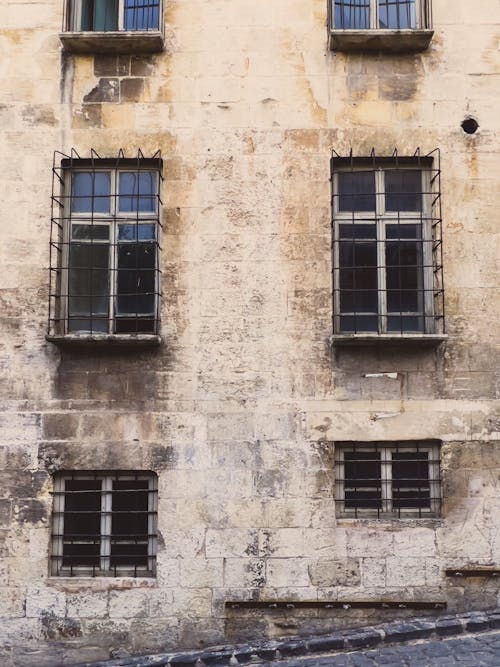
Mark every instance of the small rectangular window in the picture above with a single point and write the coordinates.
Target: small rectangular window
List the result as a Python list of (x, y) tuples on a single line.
[(104, 524), (105, 259), (387, 479)]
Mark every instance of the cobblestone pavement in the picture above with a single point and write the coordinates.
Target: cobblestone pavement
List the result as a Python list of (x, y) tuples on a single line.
[(479, 650)]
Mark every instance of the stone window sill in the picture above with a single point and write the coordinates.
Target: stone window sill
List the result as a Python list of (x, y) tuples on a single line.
[(76, 584), (363, 340), (105, 340), (139, 41), (391, 41)]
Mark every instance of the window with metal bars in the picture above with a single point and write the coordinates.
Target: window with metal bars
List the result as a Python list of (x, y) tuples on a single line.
[(387, 250), (104, 524), (381, 14), (105, 246), (398, 479), (113, 15)]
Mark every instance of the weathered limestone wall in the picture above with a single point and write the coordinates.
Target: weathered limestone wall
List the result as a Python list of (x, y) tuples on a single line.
[(239, 408)]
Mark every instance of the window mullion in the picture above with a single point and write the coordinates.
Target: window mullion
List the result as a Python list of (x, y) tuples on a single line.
[(106, 518), (121, 15), (381, 272), (374, 14), (113, 250), (386, 481), (152, 519)]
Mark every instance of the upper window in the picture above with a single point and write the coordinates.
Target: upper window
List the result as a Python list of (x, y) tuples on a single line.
[(395, 25), (113, 26), (105, 270), (104, 524), (387, 479), (387, 247)]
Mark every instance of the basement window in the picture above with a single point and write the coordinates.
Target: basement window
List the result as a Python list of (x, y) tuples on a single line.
[(382, 25), (387, 479), (387, 251), (105, 250), (113, 26), (104, 524)]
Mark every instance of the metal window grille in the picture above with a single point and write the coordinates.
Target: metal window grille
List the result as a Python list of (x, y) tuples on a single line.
[(112, 15), (381, 14), (105, 245), (104, 524), (387, 479), (387, 244)]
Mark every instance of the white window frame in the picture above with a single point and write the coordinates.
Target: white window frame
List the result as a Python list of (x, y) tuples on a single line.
[(420, 22), (105, 569), (381, 218), (76, 17), (111, 220), (386, 450)]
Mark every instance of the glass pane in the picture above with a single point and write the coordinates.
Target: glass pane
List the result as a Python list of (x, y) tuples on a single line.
[(351, 14), (410, 480), (136, 279), (90, 192), (129, 529), (358, 280), (88, 287), (99, 15), (403, 190), (90, 232), (357, 231), (362, 483), (142, 232), (359, 323), (82, 523), (404, 279), (137, 190), (356, 191), (141, 14), (397, 14)]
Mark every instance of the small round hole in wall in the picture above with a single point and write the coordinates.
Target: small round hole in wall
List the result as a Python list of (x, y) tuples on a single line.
[(470, 125)]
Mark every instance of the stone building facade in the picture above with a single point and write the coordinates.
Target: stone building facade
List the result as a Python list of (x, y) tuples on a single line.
[(265, 403)]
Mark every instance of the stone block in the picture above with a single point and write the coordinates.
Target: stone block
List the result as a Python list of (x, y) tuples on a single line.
[(244, 572), (287, 572), (335, 572), (87, 605), (128, 604), (232, 542), (201, 572), (43, 601)]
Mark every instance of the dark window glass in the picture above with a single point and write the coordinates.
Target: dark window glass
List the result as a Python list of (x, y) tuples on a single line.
[(403, 190), (136, 191), (358, 277), (90, 232), (404, 281), (90, 192), (352, 14), (82, 523), (129, 530), (356, 191), (141, 15), (88, 287), (99, 15), (362, 483), (397, 14), (410, 480), (136, 279)]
